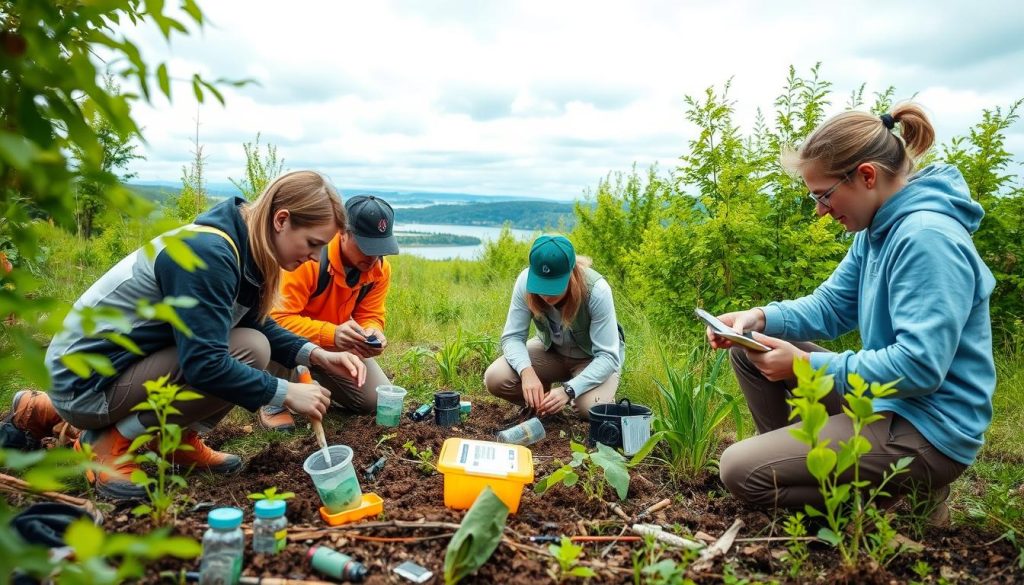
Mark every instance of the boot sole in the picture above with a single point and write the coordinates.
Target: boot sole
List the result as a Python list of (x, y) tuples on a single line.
[(119, 490)]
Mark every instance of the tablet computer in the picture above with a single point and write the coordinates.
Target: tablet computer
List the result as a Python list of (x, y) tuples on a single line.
[(722, 330)]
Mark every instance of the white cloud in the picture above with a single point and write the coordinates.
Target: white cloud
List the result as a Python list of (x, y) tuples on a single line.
[(544, 98)]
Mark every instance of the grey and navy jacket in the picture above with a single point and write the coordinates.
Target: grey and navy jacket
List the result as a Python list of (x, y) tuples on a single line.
[(228, 297)]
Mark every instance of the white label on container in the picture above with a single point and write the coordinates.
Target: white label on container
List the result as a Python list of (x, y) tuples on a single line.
[(636, 430), (487, 458)]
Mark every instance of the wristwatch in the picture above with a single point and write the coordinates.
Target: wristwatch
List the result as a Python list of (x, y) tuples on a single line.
[(569, 392)]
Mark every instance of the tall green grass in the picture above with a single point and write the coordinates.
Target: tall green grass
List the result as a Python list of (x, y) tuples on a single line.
[(433, 301)]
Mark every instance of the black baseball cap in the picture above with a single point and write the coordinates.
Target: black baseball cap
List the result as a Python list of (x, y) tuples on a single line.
[(371, 220)]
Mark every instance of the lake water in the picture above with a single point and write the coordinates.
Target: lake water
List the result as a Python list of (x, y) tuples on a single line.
[(448, 252)]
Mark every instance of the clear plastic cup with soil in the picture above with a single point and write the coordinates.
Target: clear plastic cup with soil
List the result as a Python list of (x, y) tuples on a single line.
[(390, 404), (337, 484)]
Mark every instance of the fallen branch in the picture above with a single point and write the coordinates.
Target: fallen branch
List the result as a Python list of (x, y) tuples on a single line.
[(668, 538), (721, 546), (12, 484)]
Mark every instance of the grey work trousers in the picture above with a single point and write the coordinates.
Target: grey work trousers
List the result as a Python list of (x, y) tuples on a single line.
[(770, 469), (504, 382), (248, 346)]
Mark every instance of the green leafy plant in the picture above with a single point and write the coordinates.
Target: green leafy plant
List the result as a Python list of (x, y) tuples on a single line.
[(486, 347), (260, 168), (95, 550), (413, 359), (692, 407), (567, 559), (55, 139), (449, 358), (922, 569), (1001, 506), (477, 537), (650, 568), (99, 557), (425, 457), (797, 552), (163, 439), (593, 470), (270, 494), (846, 504)]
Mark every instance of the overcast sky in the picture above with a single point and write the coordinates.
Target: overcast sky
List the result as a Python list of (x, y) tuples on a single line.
[(545, 98)]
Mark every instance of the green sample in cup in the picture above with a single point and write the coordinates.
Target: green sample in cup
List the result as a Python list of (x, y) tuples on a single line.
[(336, 484), (390, 403), (345, 496)]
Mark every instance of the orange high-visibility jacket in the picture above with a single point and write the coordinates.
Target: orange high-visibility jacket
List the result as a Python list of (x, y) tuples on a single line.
[(317, 319)]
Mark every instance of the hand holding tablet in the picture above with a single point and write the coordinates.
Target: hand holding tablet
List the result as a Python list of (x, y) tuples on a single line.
[(722, 330)]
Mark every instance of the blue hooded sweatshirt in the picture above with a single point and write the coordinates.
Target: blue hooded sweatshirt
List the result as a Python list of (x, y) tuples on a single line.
[(916, 288)]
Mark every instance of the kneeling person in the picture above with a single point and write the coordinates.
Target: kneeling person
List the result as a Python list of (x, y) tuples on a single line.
[(579, 342), (339, 303)]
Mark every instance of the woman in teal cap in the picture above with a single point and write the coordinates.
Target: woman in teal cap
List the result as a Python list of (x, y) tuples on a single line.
[(578, 344)]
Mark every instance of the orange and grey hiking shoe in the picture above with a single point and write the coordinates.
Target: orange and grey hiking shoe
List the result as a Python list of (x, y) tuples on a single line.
[(202, 457), (276, 419), (111, 449), (33, 414)]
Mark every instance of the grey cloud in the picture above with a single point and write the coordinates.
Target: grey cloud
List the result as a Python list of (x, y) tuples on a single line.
[(393, 123), (601, 96), (479, 103)]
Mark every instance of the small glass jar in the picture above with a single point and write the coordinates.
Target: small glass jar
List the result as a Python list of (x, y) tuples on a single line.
[(270, 529), (223, 548)]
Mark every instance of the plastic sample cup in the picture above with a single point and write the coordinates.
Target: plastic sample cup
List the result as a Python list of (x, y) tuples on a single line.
[(524, 433), (336, 484), (390, 403)]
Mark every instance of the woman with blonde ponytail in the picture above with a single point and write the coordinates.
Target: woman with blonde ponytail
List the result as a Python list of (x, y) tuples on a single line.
[(224, 343), (912, 284)]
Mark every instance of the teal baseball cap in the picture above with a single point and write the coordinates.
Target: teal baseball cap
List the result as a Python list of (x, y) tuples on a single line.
[(552, 259)]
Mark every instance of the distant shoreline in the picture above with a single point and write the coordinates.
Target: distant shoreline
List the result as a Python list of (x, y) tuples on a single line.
[(413, 239)]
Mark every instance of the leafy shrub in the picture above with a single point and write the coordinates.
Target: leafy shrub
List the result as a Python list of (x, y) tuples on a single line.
[(505, 257), (849, 507)]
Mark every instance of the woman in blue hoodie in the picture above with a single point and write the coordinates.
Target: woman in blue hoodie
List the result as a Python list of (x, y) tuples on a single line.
[(913, 285)]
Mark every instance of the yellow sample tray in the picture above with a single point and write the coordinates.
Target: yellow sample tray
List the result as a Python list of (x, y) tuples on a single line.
[(469, 466), (371, 505)]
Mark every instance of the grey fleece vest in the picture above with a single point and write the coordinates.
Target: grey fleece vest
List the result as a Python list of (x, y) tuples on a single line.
[(580, 328)]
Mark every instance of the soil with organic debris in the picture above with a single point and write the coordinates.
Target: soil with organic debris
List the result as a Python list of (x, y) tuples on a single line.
[(412, 493)]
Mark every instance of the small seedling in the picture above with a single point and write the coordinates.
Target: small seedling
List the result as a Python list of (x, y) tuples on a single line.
[(424, 456), (270, 494), (384, 439), (568, 555)]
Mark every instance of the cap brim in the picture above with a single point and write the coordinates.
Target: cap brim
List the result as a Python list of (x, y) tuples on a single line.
[(377, 246), (550, 287)]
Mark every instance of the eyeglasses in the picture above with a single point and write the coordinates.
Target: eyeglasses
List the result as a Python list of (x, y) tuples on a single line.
[(824, 197)]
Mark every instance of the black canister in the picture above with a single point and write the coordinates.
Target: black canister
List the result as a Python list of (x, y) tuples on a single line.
[(446, 408), (606, 421)]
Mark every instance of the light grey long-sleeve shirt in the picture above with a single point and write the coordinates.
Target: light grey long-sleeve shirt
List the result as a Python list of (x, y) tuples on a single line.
[(604, 335)]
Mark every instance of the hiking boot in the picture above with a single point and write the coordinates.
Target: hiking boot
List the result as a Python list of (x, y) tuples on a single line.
[(938, 515), (202, 457), (111, 449), (282, 422), (33, 413)]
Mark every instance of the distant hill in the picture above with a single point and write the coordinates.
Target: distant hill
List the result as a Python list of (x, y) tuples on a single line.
[(157, 193), (523, 214), (439, 208)]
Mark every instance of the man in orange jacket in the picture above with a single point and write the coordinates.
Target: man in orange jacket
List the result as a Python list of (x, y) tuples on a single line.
[(338, 303)]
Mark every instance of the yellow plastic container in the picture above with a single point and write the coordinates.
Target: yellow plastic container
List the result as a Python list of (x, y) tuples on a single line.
[(469, 466), (371, 505)]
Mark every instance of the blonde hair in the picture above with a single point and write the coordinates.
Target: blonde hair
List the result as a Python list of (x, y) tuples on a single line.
[(310, 199), (851, 138), (575, 293)]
